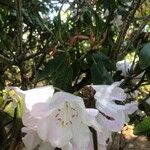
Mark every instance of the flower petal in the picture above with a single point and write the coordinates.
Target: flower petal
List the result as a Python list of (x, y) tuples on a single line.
[(37, 95), (101, 147), (67, 147), (40, 110), (45, 146), (131, 107), (50, 129), (29, 121), (60, 97), (31, 140), (91, 119), (103, 136), (113, 125), (81, 136)]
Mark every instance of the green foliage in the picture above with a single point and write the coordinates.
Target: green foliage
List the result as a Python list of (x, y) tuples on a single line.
[(63, 78), (143, 128), (144, 56), (52, 67)]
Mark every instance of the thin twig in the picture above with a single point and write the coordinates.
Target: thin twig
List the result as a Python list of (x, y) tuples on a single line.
[(125, 27)]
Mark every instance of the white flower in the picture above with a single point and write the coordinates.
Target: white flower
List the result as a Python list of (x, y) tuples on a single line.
[(36, 95), (30, 97), (31, 141), (117, 21), (62, 120), (124, 66), (112, 116)]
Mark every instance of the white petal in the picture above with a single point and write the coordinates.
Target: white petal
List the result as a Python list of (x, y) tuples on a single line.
[(60, 97), (46, 146), (38, 95), (101, 91), (105, 108), (81, 136), (40, 110), (117, 93), (131, 107), (103, 136), (49, 129), (31, 140), (113, 125), (109, 92), (101, 147), (67, 147), (91, 119), (29, 121)]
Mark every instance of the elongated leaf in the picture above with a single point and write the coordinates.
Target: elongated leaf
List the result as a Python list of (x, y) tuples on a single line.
[(63, 79), (144, 56), (143, 128), (51, 67), (99, 74)]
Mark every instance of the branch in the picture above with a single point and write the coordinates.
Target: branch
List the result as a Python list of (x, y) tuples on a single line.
[(5, 58), (19, 26), (125, 27), (139, 83), (146, 20)]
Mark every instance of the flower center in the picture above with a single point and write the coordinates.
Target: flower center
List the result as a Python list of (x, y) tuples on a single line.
[(65, 114)]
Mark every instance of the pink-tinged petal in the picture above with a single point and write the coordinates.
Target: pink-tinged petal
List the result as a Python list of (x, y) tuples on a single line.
[(45, 146), (51, 129), (109, 92), (29, 121), (103, 136), (101, 91), (61, 97), (131, 107), (101, 147), (106, 108), (31, 140), (67, 147), (91, 119), (81, 136), (40, 110), (118, 93), (38, 95), (115, 123)]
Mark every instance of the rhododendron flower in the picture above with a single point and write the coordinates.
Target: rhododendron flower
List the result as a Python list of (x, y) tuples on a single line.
[(117, 21), (31, 141), (124, 66), (112, 116), (33, 96), (62, 120), (30, 97)]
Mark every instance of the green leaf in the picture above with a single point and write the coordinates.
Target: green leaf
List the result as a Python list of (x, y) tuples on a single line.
[(99, 74), (7, 4), (107, 62), (17, 124), (63, 79), (143, 128), (52, 66), (9, 109), (144, 56), (148, 76)]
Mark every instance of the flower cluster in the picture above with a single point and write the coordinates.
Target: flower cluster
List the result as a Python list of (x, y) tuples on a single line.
[(60, 119)]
